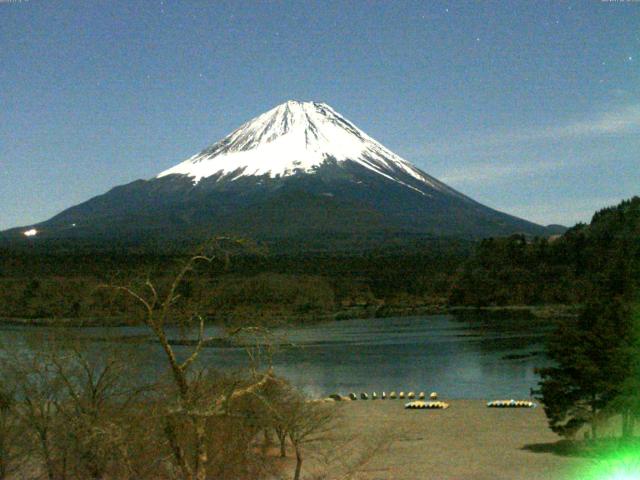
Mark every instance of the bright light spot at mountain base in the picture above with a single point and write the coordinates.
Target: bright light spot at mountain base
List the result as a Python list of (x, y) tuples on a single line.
[(30, 233)]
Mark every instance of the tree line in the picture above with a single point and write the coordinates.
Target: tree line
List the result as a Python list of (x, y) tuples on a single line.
[(62, 284)]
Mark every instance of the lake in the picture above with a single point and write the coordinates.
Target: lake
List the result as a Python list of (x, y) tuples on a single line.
[(478, 357)]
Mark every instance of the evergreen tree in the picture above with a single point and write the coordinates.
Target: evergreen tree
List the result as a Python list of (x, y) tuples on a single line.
[(575, 390), (627, 399), (596, 357)]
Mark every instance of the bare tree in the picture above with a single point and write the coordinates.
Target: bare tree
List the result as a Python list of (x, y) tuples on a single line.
[(74, 410), (11, 441), (276, 402), (95, 410), (308, 422), (160, 312), (37, 393), (314, 429), (294, 417), (185, 422)]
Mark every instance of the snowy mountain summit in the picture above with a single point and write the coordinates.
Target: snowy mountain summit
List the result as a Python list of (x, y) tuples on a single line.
[(295, 137), (300, 174)]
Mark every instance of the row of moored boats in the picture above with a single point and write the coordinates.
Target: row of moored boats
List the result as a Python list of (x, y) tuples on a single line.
[(384, 396), (419, 401)]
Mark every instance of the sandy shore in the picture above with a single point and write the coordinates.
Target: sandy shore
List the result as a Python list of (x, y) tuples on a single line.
[(466, 441)]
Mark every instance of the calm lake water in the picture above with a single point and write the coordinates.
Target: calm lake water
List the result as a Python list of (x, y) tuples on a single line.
[(478, 357)]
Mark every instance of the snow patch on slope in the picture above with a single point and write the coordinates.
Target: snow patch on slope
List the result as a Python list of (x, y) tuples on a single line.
[(295, 137)]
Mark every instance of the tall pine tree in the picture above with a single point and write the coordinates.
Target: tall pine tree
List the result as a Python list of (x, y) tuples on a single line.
[(595, 371)]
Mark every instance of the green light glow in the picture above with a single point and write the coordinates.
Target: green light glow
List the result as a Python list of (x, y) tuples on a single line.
[(623, 464)]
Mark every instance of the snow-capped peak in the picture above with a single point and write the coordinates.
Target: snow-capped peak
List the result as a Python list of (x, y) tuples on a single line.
[(291, 138)]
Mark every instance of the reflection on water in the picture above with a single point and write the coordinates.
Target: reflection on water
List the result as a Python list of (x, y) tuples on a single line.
[(481, 358)]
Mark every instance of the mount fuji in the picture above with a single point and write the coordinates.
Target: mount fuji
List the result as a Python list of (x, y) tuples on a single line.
[(299, 171)]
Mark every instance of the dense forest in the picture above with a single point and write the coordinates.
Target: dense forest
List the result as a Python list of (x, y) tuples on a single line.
[(515, 270), (61, 281)]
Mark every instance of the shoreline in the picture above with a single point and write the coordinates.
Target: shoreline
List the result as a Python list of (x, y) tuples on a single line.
[(537, 312)]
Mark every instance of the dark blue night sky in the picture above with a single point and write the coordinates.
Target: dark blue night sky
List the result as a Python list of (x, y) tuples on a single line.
[(532, 108)]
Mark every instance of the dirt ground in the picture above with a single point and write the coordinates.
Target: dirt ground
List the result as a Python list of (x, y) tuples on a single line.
[(466, 441)]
